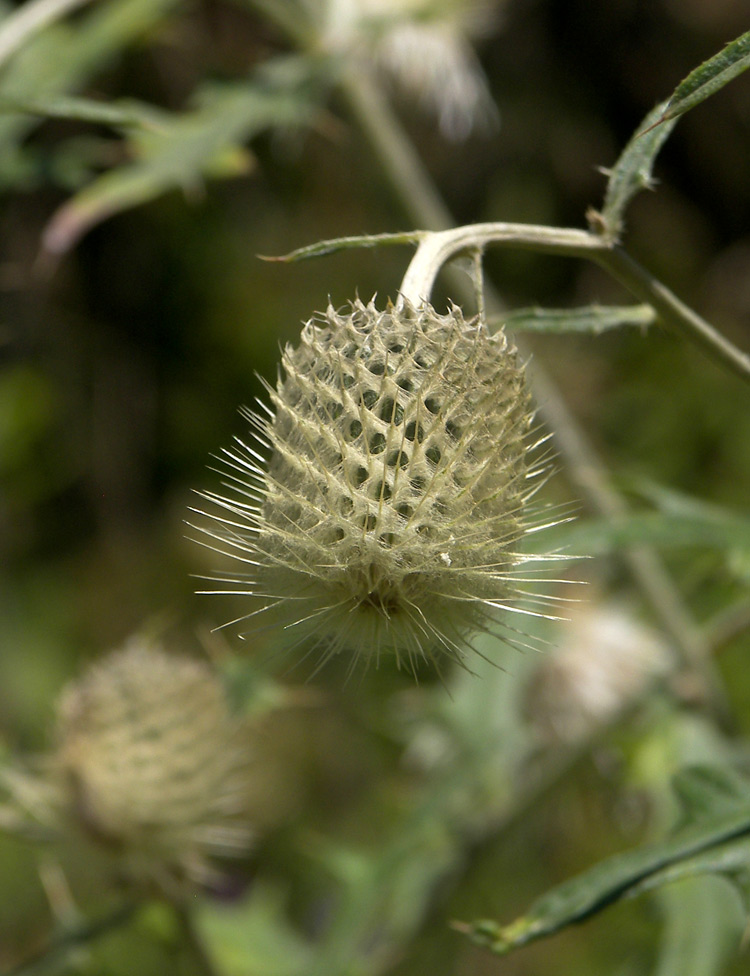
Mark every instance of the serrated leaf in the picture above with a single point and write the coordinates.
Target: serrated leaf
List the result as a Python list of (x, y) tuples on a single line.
[(632, 172), (178, 152), (593, 319), (708, 78), (718, 843)]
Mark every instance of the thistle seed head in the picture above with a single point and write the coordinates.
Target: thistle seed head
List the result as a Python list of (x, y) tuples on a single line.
[(388, 514), (150, 762)]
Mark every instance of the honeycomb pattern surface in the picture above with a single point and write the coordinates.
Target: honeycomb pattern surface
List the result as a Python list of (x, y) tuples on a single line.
[(388, 514)]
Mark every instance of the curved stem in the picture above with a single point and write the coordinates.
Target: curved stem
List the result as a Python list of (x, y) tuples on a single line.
[(440, 247)]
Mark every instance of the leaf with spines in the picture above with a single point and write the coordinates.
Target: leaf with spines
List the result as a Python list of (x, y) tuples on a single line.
[(593, 319), (708, 78), (714, 839), (631, 173)]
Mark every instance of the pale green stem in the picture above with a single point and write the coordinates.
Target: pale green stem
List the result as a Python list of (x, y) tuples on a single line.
[(29, 19), (191, 940), (437, 249)]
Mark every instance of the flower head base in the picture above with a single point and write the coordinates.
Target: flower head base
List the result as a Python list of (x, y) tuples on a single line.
[(393, 501), (151, 763)]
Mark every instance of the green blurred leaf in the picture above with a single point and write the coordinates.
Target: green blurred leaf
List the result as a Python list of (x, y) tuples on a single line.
[(590, 318), (716, 841), (720, 530), (708, 78), (122, 114), (252, 938), (61, 58), (632, 172), (179, 153), (17, 26), (703, 925)]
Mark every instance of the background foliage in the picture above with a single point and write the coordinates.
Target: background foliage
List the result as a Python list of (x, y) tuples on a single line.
[(161, 147)]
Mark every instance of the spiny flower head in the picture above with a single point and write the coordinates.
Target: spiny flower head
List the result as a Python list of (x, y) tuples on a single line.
[(388, 514), (151, 763)]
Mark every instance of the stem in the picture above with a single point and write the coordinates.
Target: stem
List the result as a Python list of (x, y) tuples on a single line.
[(674, 313), (438, 248), (395, 151), (73, 938), (191, 939)]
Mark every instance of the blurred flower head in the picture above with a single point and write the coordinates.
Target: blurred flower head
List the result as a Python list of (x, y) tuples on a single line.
[(150, 762), (424, 47), (607, 658), (389, 513)]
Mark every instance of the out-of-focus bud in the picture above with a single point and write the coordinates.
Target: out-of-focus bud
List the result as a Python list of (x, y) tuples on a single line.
[(151, 763), (605, 661)]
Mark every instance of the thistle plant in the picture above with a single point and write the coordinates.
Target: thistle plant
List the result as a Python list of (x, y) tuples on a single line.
[(389, 514), (383, 507)]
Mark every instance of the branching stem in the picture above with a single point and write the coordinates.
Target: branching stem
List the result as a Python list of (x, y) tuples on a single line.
[(440, 247)]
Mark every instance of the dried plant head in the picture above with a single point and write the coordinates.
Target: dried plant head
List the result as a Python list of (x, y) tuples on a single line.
[(606, 660), (424, 47), (387, 513), (151, 763)]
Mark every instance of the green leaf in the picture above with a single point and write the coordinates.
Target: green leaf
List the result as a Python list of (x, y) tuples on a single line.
[(332, 246), (253, 937), (718, 842), (703, 925), (118, 115), (179, 152), (632, 172), (708, 78), (590, 318), (726, 532), (63, 57)]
